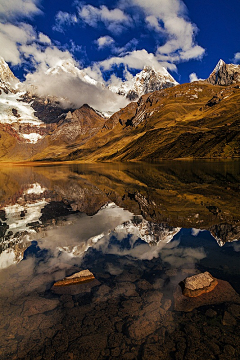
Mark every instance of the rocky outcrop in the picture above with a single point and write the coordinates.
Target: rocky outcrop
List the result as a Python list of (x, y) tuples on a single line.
[(197, 285), (48, 110), (225, 74)]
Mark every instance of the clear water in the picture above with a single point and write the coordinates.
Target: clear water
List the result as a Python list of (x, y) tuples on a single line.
[(141, 229)]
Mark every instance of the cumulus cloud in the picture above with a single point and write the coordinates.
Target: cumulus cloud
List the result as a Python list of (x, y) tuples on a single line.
[(12, 9), (44, 59), (153, 23), (104, 41), (15, 35), (12, 37), (44, 39), (115, 20), (193, 77), (169, 18), (136, 59), (237, 57)]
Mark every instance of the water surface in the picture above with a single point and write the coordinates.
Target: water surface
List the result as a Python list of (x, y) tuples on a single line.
[(140, 229)]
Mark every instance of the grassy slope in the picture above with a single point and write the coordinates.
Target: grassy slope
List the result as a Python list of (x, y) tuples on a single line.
[(177, 125), (179, 122)]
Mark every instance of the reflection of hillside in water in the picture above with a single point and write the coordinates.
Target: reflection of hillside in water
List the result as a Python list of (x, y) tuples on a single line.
[(166, 196)]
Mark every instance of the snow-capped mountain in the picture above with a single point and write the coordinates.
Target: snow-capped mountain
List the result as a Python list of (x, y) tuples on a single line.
[(148, 80), (68, 67), (7, 79), (224, 74), (14, 110), (27, 114)]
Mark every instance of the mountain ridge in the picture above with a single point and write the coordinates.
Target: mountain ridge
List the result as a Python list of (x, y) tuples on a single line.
[(199, 119)]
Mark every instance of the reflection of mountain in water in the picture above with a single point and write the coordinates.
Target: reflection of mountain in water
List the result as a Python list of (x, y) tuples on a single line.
[(165, 198), (127, 235)]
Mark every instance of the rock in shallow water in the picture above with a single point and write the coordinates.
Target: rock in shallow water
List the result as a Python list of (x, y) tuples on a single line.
[(223, 292), (197, 285), (77, 278)]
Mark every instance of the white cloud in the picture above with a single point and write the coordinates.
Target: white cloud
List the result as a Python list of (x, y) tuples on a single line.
[(136, 59), (178, 30), (47, 58), (44, 39), (167, 18), (92, 15), (71, 89), (62, 19), (153, 23), (115, 20), (193, 77), (104, 41), (237, 57), (128, 47), (12, 37), (15, 9)]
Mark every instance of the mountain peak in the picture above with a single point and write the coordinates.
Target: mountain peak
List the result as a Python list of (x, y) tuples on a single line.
[(146, 81), (68, 67), (6, 75), (224, 74), (219, 65), (148, 68)]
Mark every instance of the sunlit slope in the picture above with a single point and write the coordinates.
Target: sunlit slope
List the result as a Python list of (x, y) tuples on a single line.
[(195, 120)]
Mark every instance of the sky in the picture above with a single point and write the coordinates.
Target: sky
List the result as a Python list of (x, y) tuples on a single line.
[(114, 39)]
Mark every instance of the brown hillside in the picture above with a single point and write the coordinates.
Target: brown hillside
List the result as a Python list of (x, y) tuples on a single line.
[(190, 120), (196, 120)]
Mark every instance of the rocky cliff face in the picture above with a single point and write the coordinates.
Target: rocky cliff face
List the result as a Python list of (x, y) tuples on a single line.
[(82, 123), (225, 74)]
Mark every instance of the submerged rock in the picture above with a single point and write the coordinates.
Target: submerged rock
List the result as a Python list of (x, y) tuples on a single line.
[(197, 285), (77, 278)]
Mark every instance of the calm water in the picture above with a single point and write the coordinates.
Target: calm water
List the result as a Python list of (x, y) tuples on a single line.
[(140, 229)]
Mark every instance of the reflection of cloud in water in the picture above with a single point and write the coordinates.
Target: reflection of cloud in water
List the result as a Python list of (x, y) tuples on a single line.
[(113, 269), (169, 252), (7, 258), (84, 231), (178, 256), (236, 246), (196, 232)]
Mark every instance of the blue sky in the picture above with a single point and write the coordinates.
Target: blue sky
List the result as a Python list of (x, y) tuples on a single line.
[(120, 36)]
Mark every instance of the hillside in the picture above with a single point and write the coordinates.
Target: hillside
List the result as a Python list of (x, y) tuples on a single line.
[(194, 120)]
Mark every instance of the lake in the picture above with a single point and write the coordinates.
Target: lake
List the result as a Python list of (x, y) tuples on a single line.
[(140, 229)]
